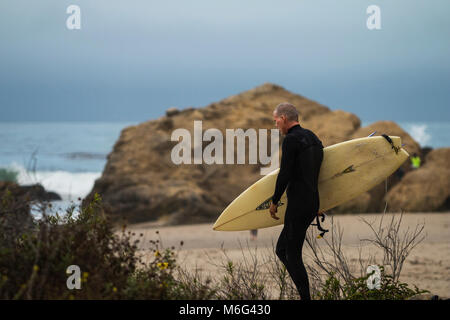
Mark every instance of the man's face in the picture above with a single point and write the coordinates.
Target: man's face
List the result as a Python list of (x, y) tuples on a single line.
[(280, 122)]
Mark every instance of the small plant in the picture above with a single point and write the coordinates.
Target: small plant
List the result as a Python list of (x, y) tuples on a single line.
[(341, 282), (358, 289), (243, 280)]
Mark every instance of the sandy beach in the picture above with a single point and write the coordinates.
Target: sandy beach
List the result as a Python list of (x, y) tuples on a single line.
[(427, 266)]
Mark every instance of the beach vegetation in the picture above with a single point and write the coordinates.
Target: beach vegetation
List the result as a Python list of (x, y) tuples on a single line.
[(116, 263)]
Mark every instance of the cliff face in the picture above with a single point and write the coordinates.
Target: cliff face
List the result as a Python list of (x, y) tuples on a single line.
[(140, 182)]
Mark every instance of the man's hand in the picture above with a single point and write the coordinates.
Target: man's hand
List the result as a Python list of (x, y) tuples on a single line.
[(273, 210)]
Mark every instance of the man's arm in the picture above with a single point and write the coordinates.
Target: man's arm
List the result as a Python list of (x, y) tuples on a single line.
[(286, 169)]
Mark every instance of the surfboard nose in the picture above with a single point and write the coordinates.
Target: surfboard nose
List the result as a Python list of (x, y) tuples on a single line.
[(220, 222)]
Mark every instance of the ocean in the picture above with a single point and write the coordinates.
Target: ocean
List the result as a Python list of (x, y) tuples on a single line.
[(67, 157)]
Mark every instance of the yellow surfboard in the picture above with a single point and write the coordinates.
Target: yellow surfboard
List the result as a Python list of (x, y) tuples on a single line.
[(348, 169)]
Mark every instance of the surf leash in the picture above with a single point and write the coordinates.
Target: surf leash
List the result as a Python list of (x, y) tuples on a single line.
[(323, 231), (396, 149)]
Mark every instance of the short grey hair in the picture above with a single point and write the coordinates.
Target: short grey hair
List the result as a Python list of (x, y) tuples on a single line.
[(288, 110)]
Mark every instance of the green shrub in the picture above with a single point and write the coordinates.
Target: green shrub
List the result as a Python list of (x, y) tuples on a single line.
[(357, 289), (34, 264)]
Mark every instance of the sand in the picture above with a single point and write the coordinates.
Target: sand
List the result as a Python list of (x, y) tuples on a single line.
[(427, 266)]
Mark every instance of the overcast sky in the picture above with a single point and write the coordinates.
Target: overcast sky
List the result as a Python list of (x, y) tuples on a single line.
[(132, 60)]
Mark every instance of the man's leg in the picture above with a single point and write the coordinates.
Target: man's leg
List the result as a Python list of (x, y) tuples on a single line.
[(295, 264), (281, 247), (289, 250)]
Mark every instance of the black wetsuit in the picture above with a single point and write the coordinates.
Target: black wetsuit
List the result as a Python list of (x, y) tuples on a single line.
[(302, 155)]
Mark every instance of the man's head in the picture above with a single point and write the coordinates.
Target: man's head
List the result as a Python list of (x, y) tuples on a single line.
[(285, 116)]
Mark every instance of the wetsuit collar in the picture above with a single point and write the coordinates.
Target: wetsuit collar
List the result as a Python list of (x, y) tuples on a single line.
[(292, 128)]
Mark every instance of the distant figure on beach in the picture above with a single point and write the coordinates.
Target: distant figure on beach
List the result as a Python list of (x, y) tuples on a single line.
[(415, 161), (302, 155), (253, 234), (399, 173)]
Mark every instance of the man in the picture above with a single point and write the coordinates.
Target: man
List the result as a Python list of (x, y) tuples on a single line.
[(302, 155)]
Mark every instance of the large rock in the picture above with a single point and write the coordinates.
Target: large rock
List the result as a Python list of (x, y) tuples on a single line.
[(424, 189), (141, 183), (15, 216), (33, 192), (333, 127), (15, 205)]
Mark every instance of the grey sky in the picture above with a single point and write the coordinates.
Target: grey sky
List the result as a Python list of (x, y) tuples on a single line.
[(133, 59)]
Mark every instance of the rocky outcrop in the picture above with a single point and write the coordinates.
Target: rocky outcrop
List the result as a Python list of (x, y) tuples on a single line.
[(34, 192), (140, 182), (14, 207), (334, 126), (15, 202), (426, 188)]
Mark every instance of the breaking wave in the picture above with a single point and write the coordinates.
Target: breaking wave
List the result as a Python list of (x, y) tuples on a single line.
[(69, 185), (419, 133)]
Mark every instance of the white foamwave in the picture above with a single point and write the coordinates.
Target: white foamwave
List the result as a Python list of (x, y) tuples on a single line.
[(69, 185), (418, 132)]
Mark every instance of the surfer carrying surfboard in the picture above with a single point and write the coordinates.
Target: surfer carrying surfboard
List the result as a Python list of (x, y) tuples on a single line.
[(302, 155)]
